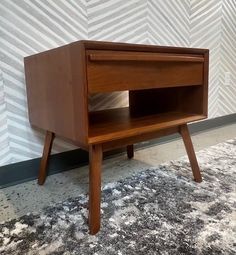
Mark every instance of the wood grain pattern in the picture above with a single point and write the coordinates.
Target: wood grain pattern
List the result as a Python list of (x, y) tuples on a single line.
[(47, 83), (79, 92), (57, 91), (121, 124), (118, 143), (134, 75), (119, 46)]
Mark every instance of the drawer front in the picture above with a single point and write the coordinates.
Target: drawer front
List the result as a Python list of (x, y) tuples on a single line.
[(109, 71)]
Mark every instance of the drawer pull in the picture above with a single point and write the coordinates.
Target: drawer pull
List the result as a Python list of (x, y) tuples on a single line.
[(158, 57)]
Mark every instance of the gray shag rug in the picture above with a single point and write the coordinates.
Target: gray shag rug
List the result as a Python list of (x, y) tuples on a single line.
[(158, 211)]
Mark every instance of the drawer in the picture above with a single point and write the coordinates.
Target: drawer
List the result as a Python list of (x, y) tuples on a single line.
[(109, 71)]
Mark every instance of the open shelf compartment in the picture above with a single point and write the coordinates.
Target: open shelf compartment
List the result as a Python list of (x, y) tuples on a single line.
[(112, 124), (149, 110)]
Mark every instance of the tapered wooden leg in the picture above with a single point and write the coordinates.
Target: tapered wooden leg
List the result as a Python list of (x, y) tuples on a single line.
[(130, 151), (95, 164), (44, 161), (183, 129)]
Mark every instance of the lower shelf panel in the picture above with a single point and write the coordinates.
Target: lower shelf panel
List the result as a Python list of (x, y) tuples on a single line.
[(114, 124)]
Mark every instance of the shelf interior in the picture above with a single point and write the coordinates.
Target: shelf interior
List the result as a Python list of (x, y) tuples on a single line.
[(118, 123)]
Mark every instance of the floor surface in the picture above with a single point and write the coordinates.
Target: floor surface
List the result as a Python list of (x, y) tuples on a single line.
[(27, 197)]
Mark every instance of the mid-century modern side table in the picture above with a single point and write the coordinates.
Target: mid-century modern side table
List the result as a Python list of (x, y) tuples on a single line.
[(168, 87)]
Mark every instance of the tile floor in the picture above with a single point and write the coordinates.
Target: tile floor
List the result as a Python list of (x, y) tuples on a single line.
[(23, 198)]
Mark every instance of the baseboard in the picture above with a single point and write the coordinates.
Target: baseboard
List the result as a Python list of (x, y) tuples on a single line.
[(28, 170)]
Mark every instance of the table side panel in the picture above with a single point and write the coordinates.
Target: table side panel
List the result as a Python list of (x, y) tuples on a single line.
[(52, 100)]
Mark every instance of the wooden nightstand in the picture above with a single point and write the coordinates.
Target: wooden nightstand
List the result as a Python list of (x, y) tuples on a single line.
[(168, 87)]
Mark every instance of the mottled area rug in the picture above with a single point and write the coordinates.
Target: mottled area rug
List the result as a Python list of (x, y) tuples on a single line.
[(158, 211)]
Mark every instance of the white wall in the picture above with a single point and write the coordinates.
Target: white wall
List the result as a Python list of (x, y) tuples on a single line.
[(31, 26)]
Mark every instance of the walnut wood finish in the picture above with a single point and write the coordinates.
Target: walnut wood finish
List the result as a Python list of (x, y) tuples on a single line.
[(95, 163), (168, 87), (124, 74), (204, 101), (121, 123), (98, 45), (154, 101), (114, 144), (56, 85), (183, 130), (44, 161), (141, 56)]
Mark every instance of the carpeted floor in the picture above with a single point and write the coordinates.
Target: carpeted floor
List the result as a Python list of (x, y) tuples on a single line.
[(158, 211)]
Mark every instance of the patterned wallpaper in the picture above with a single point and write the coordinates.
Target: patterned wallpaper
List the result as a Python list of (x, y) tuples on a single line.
[(31, 26)]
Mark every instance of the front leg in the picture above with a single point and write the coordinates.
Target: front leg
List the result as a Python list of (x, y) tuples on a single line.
[(46, 153), (95, 164), (183, 130), (130, 151)]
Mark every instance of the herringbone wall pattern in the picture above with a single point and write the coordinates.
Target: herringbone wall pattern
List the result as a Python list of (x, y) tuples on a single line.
[(4, 134), (205, 32), (169, 22), (227, 94), (31, 26)]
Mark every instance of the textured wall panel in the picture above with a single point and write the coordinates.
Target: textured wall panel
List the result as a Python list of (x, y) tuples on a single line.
[(205, 32), (29, 27), (168, 22), (227, 94), (5, 155)]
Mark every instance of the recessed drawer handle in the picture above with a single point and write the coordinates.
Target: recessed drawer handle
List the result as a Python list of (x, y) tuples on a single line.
[(145, 57)]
